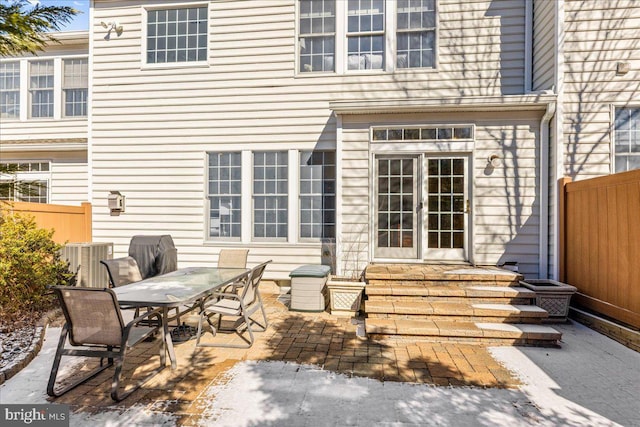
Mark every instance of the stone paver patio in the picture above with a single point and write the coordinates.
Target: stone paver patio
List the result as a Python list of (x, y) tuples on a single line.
[(329, 342)]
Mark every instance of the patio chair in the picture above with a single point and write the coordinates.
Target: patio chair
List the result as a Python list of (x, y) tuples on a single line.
[(242, 305), (94, 323), (233, 258), (122, 271)]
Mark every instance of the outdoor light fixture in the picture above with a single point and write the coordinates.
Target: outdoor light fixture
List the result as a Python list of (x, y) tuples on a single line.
[(112, 26), (494, 160), (116, 203)]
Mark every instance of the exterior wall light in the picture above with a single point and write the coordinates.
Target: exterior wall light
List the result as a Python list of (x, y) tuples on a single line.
[(494, 160)]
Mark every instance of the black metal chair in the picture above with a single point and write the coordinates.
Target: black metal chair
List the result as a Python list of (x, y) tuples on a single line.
[(94, 323)]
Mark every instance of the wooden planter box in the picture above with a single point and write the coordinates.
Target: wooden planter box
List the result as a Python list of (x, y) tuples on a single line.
[(345, 296), (552, 296)]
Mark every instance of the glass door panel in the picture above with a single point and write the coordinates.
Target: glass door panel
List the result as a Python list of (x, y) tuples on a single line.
[(396, 195), (446, 213)]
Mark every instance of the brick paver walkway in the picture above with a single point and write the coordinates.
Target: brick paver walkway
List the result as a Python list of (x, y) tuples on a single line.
[(306, 338)]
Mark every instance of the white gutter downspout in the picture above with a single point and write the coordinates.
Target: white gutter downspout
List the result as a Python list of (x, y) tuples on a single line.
[(528, 46), (543, 262), (90, 111)]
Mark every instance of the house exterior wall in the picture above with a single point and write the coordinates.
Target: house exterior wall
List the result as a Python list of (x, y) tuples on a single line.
[(505, 200), (544, 45), (599, 35), (147, 120)]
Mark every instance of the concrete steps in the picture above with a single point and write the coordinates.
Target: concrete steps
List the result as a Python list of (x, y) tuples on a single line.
[(462, 331), (453, 303), (476, 312)]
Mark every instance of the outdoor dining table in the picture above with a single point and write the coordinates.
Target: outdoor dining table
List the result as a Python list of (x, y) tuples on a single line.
[(179, 288)]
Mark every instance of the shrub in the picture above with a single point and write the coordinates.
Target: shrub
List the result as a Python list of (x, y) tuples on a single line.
[(29, 262)]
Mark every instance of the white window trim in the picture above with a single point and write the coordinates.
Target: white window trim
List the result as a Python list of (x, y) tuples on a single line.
[(62, 98), (58, 98), (612, 149), (34, 176), (172, 65), (247, 210), (341, 54)]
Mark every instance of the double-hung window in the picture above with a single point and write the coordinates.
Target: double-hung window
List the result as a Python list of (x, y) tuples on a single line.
[(627, 139), (9, 90), (365, 35), (317, 35), (177, 35), (317, 194), (416, 34), (270, 194), (75, 86), (225, 201), (41, 88)]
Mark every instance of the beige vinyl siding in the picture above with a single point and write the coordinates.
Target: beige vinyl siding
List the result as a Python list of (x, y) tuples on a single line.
[(544, 44), (506, 202), (152, 126), (598, 36)]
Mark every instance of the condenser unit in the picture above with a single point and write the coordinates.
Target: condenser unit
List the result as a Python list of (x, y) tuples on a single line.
[(85, 259)]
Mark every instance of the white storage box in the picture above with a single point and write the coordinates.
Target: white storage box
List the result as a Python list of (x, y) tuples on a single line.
[(308, 288)]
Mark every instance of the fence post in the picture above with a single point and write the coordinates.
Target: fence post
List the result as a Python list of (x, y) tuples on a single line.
[(88, 229), (562, 227)]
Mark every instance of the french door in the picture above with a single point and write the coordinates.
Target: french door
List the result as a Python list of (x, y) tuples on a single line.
[(447, 208), (421, 207), (396, 197)]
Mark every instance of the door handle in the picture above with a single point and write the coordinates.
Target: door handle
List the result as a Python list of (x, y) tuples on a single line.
[(419, 207), (467, 209)]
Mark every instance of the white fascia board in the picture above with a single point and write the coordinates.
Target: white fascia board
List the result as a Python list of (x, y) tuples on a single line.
[(528, 102)]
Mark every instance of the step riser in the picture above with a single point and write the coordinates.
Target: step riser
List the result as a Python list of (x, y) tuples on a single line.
[(474, 300), (458, 318), (465, 340), (445, 282)]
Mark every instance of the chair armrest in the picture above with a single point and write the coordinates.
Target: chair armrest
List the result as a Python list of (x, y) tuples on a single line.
[(226, 295)]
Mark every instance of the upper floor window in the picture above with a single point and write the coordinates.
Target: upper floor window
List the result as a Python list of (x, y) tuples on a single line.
[(317, 35), (354, 35), (41, 88), (416, 34), (177, 35), (365, 35), (627, 139), (10, 90), (75, 85)]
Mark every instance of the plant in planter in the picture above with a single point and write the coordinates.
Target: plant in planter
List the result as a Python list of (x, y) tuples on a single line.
[(345, 292)]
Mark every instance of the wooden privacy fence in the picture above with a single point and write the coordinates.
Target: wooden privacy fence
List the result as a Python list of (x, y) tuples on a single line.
[(600, 243), (71, 223)]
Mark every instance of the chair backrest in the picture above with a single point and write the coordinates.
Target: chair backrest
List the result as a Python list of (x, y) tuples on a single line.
[(93, 315), (250, 290), (233, 258), (122, 271)]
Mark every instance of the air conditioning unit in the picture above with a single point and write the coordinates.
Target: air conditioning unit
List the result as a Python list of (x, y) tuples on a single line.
[(85, 259)]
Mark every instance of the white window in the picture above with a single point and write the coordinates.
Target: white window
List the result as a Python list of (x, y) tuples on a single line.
[(270, 189), (416, 34), (317, 194), (30, 182), (365, 35), (41, 88), (317, 35), (10, 90), (225, 202), (627, 139), (75, 84), (177, 35)]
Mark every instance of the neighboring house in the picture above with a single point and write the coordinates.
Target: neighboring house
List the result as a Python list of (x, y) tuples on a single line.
[(405, 130), (44, 121)]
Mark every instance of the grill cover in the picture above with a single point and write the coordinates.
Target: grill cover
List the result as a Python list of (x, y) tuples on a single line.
[(154, 254)]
